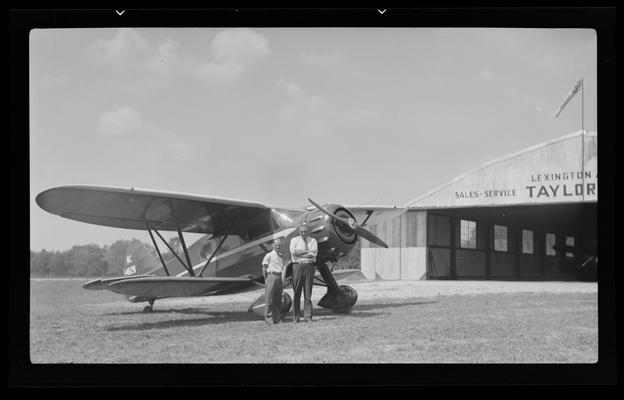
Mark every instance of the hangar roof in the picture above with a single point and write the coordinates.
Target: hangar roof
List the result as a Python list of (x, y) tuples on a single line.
[(562, 170)]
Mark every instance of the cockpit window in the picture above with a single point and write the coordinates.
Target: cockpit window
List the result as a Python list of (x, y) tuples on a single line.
[(211, 244), (284, 218), (239, 236)]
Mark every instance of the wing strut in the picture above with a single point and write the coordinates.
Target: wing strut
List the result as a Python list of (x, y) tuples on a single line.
[(367, 217), (212, 256), (162, 261), (186, 254), (174, 252)]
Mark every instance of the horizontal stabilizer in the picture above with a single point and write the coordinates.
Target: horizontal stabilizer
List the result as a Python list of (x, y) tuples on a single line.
[(158, 287)]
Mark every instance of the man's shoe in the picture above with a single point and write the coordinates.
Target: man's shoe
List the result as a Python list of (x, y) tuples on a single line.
[(307, 319)]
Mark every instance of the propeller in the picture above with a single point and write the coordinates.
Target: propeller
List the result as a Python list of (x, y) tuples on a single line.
[(352, 225)]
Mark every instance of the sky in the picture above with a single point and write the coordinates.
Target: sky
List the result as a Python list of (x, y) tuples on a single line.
[(341, 115)]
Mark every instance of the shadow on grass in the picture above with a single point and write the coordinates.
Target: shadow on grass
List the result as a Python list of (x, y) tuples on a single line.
[(223, 317)]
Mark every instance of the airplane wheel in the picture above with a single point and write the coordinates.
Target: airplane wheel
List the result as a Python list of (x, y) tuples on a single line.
[(286, 303), (148, 309), (352, 294)]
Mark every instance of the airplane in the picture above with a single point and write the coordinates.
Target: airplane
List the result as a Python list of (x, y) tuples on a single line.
[(236, 236), (585, 259)]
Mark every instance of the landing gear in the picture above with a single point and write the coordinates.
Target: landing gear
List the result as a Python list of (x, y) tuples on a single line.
[(340, 299), (286, 304), (149, 308)]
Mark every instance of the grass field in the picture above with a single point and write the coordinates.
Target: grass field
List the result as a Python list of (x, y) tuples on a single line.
[(393, 322)]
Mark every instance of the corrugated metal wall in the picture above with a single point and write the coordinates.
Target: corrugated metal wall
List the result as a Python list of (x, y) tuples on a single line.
[(406, 257)]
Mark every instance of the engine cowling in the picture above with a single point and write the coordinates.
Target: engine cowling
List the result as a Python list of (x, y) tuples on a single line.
[(334, 240)]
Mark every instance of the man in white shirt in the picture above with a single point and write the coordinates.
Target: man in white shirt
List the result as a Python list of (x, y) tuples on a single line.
[(303, 250), (272, 269)]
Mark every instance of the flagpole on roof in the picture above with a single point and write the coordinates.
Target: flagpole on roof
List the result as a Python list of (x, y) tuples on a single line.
[(582, 107), (579, 85), (583, 136)]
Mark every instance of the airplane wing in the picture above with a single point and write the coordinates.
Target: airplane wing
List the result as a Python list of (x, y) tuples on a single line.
[(143, 209), (158, 287), (371, 215)]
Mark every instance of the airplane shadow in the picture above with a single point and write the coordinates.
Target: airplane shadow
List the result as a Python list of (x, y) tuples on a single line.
[(222, 317)]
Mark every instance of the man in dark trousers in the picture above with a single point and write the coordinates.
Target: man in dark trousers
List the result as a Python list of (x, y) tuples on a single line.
[(272, 269), (303, 250)]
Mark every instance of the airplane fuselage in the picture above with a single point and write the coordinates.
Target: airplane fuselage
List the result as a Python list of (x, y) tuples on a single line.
[(245, 258)]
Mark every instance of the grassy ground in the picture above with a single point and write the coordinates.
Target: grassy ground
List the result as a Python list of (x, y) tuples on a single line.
[(71, 325)]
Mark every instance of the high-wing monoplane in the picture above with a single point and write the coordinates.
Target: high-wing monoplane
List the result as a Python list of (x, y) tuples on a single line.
[(236, 234)]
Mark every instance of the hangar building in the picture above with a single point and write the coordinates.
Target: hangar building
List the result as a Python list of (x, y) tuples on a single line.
[(506, 219)]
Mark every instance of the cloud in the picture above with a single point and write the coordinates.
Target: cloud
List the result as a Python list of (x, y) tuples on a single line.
[(230, 54), (127, 48), (316, 103), (234, 52), (291, 88), (307, 112), (122, 122), (137, 132), (240, 46)]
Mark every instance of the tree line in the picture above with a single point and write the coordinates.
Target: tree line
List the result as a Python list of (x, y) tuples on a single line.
[(91, 260)]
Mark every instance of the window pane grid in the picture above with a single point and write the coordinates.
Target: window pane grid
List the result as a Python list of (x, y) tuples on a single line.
[(500, 238), (551, 240), (570, 242), (527, 242), (468, 234)]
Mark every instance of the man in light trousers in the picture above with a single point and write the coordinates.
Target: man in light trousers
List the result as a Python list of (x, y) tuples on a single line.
[(272, 269)]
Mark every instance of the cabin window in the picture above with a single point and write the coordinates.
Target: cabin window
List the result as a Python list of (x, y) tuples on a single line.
[(527, 242), (468, 234), (551, 241), (500, 238)]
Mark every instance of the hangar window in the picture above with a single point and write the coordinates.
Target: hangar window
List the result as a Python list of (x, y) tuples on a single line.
[(468, 234), (500, 238), (551, 241), (527, 242), (570, 242)]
